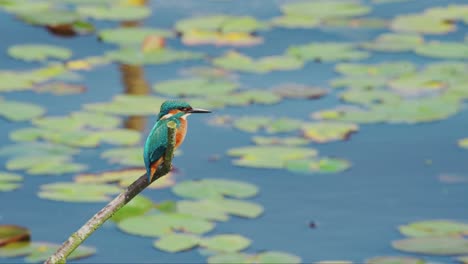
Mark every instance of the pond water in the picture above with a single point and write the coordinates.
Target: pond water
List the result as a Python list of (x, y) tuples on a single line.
[(349, 215)]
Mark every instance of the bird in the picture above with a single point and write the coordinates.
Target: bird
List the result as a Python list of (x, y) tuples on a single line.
[(156, 142)]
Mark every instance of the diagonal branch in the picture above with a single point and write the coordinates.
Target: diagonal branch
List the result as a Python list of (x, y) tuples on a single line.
[(77, 238)]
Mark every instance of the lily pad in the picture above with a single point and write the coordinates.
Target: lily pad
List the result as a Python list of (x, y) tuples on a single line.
[(128, 156), (327, 52), (274, 157), (39, 251), (9, 182), (371, 97), (298, 91), (49, 17), (131, 36), (200, 37), (158, 225), (444, 50), (417, 84), (395, 42), (214, 188), (115, 12), (421, 23), (19, 111), (325, 9), (251, 123), (323, 165), (322, 132), (267, 257), (11, 234), (195, 87), (433, 245), (218, 209), (395, 260), (463, 143), (136, 207), (177, 242), (295, 21), (60, 88), (77, 192), (288, 141), (39, 52), (220, 23), (225, 243), (236, 61), (431, 228), (384, 69), (135, 56)]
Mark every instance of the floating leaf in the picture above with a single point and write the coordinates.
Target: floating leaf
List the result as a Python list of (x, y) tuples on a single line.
[(39, 251), (395, 42), (115, 12), (221, 23), (158, 225), (77, 192), (214, 188), (236, 61), (9, 181), (421, 23), (288, 141), (395, 260), (177, 242), (328, 131), (323, 165), (294, 21), (251, 123), (19, 111), (225, 243), (60, 88), (38, 52), (199, 37), (298, 91), (416, 84), (327, 51), (433, 245), (267, 257), (137, 206), (444, 50), (434, 228), (134, 56), (269, 156), (128, 156), (49, 17), (195, 86), (325, 9), (384, 69), (131, 36), (370, 97), (44, 165), (463, 143), (11, 234), (218, 209)]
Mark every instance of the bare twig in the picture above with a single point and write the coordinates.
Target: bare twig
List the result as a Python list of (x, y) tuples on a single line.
[(77, 238)]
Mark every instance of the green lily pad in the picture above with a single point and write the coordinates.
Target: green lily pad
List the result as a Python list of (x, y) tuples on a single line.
[(11, 234), (9, 181), (135, 56), (325, 9), (433, 245), (322, 132), (19, 111), (36, 149), (323, 165), (288, 141), (359, 82), (60, 88), (39, 52), (384, 69), (421, 23), (395, 42), (214, 188), (200, 37), (416, 84), (295, 21), (77, 192), (195, 87), (45, 164), (274, 157), (128, 156), (444, 50), (115, 12), (251, 123), (298, 91), (136, 207), (177, 242), (218, 209), (158, 225), (370, 97), (395, 260), (463, 143), (220, 23), (434, 228), (267, 257), (225, 243), (131, 36), (239, 62), (358, 23), (40, 251), (128, 105), (327, 52), (49, 17)]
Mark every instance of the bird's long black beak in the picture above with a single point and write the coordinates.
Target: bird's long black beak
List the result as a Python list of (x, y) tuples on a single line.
[(199, 110)]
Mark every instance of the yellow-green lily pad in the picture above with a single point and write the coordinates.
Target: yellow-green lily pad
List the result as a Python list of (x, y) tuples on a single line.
[(395, 260), (421, 23), (445, 246), (12, 233), (9, 181), (135, 56), (38, 52), (463, 143), (434, 228), (288, 141), (322, 132), (267, 257), (326, 9), (195, 87), (239, 62), (395, 42), (295, 21), (77, 192), (219, 209), (115, 12), (132, 35), (19, 111), (443, 50), (128, 156), (158, 225), (322, 165), (370, 97), (214, 188), (327, 52), (35, 252), (177, 242), (137, 206), (225, 243), (221, 23)]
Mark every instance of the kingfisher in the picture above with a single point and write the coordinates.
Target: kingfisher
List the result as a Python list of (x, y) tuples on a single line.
[(156, 143)]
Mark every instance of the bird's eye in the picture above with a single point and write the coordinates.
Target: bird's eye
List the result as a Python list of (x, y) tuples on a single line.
[(183, 109)]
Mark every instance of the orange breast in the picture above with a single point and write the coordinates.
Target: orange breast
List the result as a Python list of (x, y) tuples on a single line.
[(181, 131)]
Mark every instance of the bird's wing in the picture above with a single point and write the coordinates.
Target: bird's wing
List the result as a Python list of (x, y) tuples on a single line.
[(156, 143)]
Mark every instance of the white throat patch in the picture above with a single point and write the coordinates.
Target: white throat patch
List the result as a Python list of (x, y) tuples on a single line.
[(166, 116), (184, 117)]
